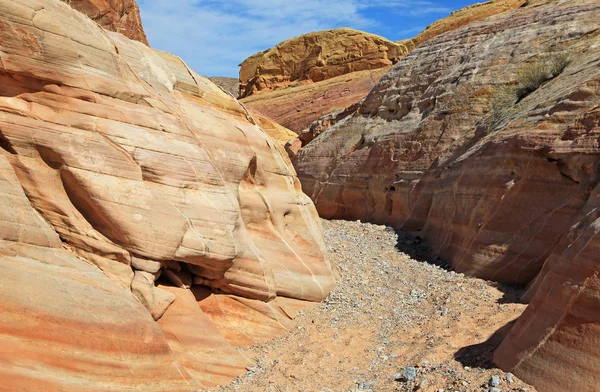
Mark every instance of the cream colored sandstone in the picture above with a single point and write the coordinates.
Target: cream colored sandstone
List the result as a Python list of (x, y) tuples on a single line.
[(117, 159)]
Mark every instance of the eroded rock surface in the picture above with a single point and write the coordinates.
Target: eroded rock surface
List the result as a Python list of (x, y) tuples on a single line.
[(297, 107), (230, 85), (128, 182), (311, 110), (121, 16), (463, 17), (277, 132), (501, 199), (315, 57)]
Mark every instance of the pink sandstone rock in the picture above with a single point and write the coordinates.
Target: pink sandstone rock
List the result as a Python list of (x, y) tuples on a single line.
[(122, 170), (121, 16)]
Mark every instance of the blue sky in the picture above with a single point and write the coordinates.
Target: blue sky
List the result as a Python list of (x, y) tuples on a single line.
[(213, 37)]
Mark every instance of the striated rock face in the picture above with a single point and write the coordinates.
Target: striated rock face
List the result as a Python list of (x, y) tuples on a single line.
[(560, 329), (300, 107), (329, 120), (280, 134), (297, 107), (502, 199), (121, 16), (316, 57), (230, 85), (462, 18), (125, 180)]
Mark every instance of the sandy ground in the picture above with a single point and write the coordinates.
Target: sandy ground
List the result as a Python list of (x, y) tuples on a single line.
[(396, 313)]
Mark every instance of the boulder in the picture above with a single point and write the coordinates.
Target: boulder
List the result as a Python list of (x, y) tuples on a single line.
[(117, 160)]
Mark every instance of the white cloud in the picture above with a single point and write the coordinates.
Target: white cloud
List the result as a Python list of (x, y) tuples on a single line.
[(214, 36)]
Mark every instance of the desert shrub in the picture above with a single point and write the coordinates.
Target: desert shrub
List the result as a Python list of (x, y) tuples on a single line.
[(501, 107), (531, 76), (558, 64)]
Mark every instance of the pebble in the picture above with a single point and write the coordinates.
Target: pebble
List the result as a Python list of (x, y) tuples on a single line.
[(494, 381), (510, 378), (366, 384), (409, 373), (374, 274)]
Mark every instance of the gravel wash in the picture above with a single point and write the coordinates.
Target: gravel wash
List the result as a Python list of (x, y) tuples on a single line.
[(398, 320)]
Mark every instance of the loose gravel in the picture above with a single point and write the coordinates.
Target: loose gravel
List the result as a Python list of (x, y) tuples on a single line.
[(399, 319)]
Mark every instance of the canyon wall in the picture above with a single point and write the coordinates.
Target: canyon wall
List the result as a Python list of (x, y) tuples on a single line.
[(463, 17), (324, 74), (500, 178), (148, 227)]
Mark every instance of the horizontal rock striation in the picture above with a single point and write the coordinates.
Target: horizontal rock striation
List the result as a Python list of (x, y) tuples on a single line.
[(277, 132), (297, 107), (133, 190), (315, 57), (503, 189)]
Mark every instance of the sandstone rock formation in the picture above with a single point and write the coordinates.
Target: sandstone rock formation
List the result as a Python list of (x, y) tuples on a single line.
[(315, 57), (502, 199), (463, 17), (132, 190), (297, 107), (321, 125), (121, 16), (279, 133)]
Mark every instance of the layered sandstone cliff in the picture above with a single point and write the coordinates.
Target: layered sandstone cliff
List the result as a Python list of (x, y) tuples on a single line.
[(133, 190), (500, 187), (299, 101), (315, 57), (121, 16), (297, 107)]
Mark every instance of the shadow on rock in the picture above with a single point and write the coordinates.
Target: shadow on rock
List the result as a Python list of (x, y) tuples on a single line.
[(480, 355), (512, 294), (418, 249)]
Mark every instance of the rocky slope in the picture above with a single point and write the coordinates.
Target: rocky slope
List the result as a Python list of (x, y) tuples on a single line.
[(315, 57), (133, 190), (500, 187), (297, 107), (279, 133), (121, 16)]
